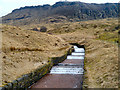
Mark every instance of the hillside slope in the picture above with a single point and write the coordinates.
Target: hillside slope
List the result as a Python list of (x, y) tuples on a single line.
[(24, 51), (100, 38), (61, 11)]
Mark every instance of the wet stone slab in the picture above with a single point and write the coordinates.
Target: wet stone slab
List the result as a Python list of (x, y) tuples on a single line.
[(80, 50), (73, 61), (70, 64), (75, 57), (65, 64), (77, 53), (60, 81), (68, 74), (66, 70)]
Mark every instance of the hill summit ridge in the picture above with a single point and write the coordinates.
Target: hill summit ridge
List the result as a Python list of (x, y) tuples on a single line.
[(61, 11)]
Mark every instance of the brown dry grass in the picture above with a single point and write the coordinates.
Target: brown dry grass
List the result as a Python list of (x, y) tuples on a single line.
[(24, 51), (101, 64), (99, 37)]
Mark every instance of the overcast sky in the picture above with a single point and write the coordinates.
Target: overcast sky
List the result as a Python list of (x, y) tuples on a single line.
[(6, 6)]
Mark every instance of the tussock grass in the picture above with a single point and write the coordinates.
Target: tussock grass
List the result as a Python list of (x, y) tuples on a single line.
[(100, 38), (25, 50), (101, 63), (63, 48)]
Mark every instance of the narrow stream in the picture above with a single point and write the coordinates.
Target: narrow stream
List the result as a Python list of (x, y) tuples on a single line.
[(68, 74)]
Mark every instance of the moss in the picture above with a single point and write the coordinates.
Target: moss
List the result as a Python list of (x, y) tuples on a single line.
[(15, 83), (109, 36)]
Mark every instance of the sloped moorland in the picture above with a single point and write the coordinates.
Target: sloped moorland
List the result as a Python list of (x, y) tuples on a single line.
[(24, 51), (25, 48), (100, 38)]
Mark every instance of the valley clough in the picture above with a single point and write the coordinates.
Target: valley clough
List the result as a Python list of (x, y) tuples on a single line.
[(33, 34)]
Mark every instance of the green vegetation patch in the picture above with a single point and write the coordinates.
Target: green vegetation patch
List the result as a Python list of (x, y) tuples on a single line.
[(109, 36)]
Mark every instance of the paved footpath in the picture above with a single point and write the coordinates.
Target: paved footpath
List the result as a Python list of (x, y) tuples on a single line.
[(68, 74)]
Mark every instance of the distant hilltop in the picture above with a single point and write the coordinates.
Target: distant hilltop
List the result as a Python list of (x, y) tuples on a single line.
[(61, 11)]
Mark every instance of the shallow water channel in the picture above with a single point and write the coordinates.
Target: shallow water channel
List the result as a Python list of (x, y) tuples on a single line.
[(68, 74)]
